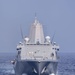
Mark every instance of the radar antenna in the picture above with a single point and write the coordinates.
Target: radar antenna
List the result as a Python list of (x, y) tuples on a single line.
[(35, 15), (53, 38), (21, 32)]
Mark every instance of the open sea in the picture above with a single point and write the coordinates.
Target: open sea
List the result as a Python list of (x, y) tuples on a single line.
[(66, 65)]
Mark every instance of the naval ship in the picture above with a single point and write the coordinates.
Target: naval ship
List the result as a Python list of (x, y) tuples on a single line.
[(36, 54)]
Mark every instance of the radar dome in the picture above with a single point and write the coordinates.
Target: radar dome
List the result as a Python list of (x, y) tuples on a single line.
[(48, 38), (26, 39)]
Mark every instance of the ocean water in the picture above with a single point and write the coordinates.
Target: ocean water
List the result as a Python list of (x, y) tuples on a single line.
[(66, 65)]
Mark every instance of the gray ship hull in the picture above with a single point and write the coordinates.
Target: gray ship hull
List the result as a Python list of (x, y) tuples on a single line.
[(36, 54), (37, 67)]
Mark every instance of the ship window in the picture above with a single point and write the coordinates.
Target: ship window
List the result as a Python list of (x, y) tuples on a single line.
[(58, 49), (52, 54), (52, 48), (35, 52), (19, 48), (55, 48), (38, 43)]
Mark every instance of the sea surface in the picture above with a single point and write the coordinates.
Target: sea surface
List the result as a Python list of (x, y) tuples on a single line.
[(66, 65)]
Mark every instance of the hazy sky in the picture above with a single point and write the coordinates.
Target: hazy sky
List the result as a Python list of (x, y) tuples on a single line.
[(55, 15)]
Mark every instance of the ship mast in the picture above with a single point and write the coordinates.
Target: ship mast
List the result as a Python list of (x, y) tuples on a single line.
[(36, 32)]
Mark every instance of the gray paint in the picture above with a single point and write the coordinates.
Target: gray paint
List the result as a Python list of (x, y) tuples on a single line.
[(36, 54)]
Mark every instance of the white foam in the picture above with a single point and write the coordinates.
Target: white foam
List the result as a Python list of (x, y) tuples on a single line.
[(52, 74)]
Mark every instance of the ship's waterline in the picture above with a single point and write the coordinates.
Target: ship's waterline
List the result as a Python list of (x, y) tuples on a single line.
[(36, 54)]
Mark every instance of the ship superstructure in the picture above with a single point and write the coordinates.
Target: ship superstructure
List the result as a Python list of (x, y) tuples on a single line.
[(36, 54)]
